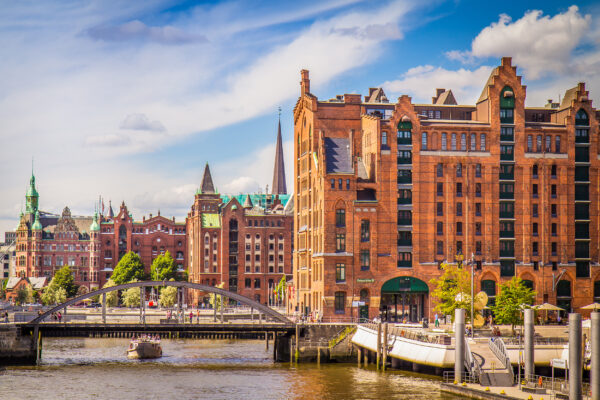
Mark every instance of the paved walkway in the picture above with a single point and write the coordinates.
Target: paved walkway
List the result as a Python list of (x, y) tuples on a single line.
[(509, 391)]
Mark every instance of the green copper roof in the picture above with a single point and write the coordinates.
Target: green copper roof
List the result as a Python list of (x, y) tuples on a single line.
[(404, 284), (37, 225), (94, 227), (211, 221), (258, 199), (31, 189)]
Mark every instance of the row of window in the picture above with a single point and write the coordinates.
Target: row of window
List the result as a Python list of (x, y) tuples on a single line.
[(459, 170), (472, 145), (340, 183), (547, 146)]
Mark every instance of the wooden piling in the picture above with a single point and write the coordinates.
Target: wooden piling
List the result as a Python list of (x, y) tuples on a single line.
[(378, 345), (359, 352), (384, 345)]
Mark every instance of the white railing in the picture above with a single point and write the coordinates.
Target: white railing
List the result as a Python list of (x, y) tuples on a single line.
[(471, 363), (498, 347)]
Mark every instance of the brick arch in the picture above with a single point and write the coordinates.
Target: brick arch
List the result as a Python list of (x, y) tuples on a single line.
[(339, 203), (530, 277)]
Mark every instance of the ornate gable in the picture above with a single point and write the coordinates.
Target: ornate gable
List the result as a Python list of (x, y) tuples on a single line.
[(66, 223)]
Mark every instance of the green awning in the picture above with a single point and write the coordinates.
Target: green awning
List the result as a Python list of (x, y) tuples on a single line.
[(405, 284)]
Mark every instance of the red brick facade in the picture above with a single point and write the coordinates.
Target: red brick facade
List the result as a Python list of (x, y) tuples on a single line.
[(512, 188)]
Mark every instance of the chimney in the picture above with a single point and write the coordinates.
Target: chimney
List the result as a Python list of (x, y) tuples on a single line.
[(506, 61), (304, 82)]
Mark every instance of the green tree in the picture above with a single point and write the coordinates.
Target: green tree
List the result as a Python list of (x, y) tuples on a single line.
[(131, 297), (60, 296), (452, 290), (24, 295), (130, 267), (168, 296), (64, 278), (49, 295), (163, 268), (112, 298), (216, 300), (511, 300)]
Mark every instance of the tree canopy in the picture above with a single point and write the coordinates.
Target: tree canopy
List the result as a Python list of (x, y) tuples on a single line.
[(452, 290), (168, 296), (131, 296), (112, 298), (513, 297), (130, 267), (63, 278), (163, 268)]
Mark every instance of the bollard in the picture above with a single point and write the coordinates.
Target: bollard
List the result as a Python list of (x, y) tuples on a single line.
[(266, 340), (104, 308), (595, 366), (459, 348), (529, 346), (575, 359), (319, 356), (359, 352)]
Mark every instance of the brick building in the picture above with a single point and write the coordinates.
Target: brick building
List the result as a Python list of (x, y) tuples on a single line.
[(243, 241), (91, 245), (385, 192)]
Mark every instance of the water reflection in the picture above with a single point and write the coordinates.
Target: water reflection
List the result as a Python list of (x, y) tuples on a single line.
[(206, 369)]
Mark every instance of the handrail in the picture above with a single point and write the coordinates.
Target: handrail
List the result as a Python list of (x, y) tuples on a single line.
[(498, 347), (471, 363), (411, 334)]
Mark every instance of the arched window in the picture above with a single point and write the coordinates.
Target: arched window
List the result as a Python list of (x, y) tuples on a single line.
[(463, 142), (458, 170), (529, 143), (528, 283), (424, 141), (384, 138), (507, 105), (444, 141), (548, 144), (489, 287), (453, 142), (364, 295), (538, 143), (581, 118), (473, 142), (482, 144)]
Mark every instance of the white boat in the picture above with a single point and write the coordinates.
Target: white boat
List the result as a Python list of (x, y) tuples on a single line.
[(140, 348)]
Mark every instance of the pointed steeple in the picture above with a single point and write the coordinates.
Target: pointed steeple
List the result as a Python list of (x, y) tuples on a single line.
[(207, 186), (111, 213), (248, 202), (279, 186), (32, 195)]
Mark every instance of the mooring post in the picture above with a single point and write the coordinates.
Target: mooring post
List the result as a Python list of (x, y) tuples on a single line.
[(359, 352), (252, 314), (529, 346), (459, 348), (384, 345), (297, 350), (595, 361), (104, 308), (575, 359), (215, 309), (378, 359), (142, 307), (319, 356), (222, 307), (291, 351), (36, 343), (266, 340)]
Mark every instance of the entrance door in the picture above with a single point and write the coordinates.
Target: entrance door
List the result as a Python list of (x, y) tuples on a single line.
[(363, 312)]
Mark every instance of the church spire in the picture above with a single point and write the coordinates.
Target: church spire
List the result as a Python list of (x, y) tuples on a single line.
[(207, 186), (279, 186), (32, 195)]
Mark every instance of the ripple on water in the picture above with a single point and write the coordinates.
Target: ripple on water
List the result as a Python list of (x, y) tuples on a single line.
[(206, 369)]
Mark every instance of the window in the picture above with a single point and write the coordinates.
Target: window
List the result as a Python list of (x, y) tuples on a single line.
[(340, 184), (534, 248), (557, 144), (459, 229), (478, 170), (458, 189), (538, 143), (529, 143), (340, 273), (340, 217), (534, 210), (459, 210), (478, 228), (440, 189), (553, 191), (333, 183), (347, 184), (365, 235), (459, 247), (440, 248), (340, 302), (582, 269), (458, 170), (553, 171), (534, 171), (554, 247), (473, 142), (553, 229), (534, 190), (453, 142), (477, 189), (444, 141), (553, 210), (581, 118), (482, 144), (424, 141), (440, 209), (440, 228), (247, 283), (534, 229), (340, 242), (478, 209), (478, 247), (256, 283), (384, 138), (440, 170), (548, 144), (365, 260)]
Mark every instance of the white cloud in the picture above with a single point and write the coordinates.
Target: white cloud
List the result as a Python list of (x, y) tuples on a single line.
[(538, 43), (137, 30), (421, 82), (140, 122)]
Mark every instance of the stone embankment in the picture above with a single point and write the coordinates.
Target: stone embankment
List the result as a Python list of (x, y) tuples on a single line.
[(15, 349)]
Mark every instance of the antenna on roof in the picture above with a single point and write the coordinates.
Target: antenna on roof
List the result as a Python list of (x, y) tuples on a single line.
[(279, 109)]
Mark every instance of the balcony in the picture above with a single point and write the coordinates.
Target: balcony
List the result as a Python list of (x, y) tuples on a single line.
[(404, 221), (404, 242), (507, 234), (404, 264), (507, 138), (507, 253), (404, 200), (404, 179), (404, 160), (507, 195), (404, 141), (507, 157)]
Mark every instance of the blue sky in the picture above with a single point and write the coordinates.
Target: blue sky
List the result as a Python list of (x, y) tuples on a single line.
[(128, 100)]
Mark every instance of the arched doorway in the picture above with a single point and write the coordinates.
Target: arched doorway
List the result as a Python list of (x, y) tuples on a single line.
[(403, 299)]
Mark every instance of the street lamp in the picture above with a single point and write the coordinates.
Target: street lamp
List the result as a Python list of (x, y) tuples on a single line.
[(472, 289)]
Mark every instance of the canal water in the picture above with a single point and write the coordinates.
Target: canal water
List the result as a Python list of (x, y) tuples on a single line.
[(199, 369)]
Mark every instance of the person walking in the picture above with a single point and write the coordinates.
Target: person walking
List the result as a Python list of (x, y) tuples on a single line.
[(198, 315), (59, 315), (437, 321), (191, 316)]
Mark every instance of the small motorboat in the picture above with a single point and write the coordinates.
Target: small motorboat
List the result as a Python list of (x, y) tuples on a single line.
[(144, 347)]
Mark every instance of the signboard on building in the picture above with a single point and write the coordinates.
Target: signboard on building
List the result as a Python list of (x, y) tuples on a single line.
[(362, 280)]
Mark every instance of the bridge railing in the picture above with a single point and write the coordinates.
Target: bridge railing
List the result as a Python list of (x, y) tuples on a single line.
[(498, 347)]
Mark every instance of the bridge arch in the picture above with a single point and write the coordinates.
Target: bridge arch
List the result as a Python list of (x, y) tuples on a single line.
[(197, 286)]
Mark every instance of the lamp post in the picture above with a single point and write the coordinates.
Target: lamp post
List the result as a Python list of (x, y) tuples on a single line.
[(472, 299)]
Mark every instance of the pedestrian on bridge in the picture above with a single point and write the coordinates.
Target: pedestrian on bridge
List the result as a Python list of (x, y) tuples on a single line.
[(198, 315), (191, 316)]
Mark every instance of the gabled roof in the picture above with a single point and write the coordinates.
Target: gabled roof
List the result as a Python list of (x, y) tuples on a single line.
[(484, 92), (446, 97), (570, 95), (37, 283), (337, 155), (12, 282)]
